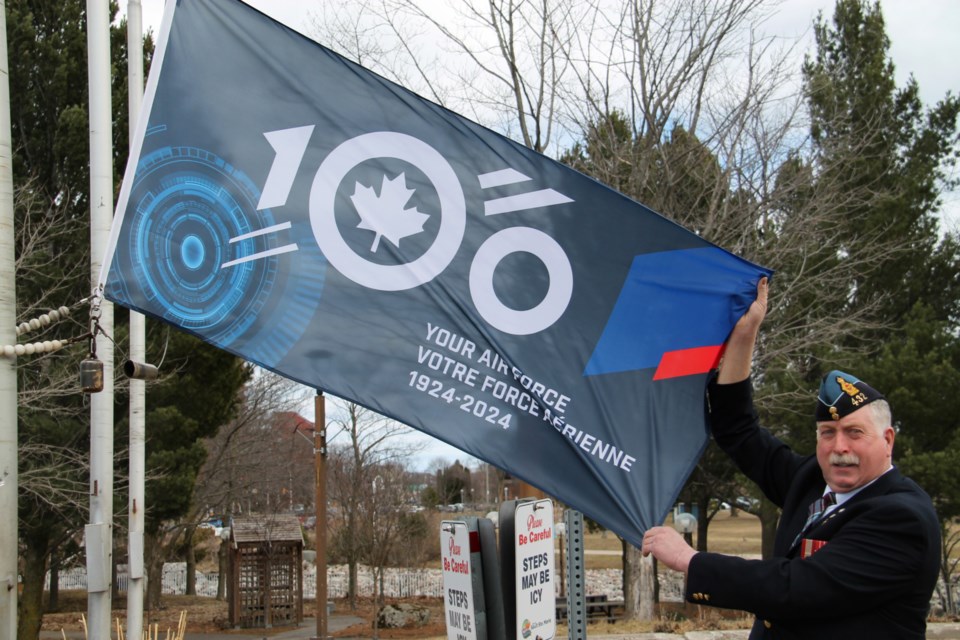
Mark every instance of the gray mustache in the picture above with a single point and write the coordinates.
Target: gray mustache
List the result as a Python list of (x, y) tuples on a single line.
[(849, 458)]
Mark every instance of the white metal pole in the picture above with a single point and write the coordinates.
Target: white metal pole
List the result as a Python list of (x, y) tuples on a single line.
[(8, 365), (138, 349), (99, 533)]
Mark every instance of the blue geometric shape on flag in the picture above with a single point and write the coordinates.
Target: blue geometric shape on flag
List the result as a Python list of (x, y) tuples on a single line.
[(667, 304), (193, 213)]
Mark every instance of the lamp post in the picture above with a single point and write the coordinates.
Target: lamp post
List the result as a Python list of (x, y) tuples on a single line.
[(320, 460)]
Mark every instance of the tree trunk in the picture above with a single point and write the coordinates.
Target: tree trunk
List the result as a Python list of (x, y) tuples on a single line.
[(769, 515), (154, 584), (222, 561), (649, 591), (378, 600), (191, 553), (114, 570), (153, 561), (631, 582), (639, 591), (30, 613), (948, 542), (703, 522), (352, 584), (54, 602)]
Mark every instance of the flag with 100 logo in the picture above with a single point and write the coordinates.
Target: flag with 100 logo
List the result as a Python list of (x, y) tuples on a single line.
[(297, 210)]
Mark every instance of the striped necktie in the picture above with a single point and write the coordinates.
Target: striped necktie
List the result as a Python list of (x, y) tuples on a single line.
[(817, 507)]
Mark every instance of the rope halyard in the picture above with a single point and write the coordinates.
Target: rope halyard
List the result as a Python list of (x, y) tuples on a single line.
[(50, 318)]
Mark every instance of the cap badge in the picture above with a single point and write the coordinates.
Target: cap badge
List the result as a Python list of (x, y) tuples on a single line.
[(847, 387)]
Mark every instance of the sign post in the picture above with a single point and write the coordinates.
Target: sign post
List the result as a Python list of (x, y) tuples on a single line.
[(576, 595)]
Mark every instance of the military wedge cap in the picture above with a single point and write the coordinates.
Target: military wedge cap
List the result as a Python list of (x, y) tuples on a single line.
[(841, 394)]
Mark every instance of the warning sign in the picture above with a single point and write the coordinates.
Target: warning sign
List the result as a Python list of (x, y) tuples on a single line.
[(458, 603), (534, 570)]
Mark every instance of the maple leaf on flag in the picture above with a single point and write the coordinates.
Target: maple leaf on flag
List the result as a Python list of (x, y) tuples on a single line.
[(385, 214)]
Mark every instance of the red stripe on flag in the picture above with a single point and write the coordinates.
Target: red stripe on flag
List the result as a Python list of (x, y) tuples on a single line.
[(688, 362), (474, 542)]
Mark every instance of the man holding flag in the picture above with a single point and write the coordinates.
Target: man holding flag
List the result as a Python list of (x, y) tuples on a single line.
[(857, 550)]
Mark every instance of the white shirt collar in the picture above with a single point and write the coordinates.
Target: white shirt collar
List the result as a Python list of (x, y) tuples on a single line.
[(843, 497)]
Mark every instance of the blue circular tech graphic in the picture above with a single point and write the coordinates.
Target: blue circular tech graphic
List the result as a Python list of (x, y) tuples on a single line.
[(192, 252), (204, 258)]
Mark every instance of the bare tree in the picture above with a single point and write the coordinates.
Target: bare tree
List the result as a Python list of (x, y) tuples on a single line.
[(365, 448), (44, 236), (236, 466), (500, 62), (53, 467), (228, 479), (383, 516)]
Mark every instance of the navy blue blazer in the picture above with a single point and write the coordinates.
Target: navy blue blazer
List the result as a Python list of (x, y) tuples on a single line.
[(875, 572)]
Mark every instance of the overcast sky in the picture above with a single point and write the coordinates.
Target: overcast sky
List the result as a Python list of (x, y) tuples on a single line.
[(923, 33), (924, 42)]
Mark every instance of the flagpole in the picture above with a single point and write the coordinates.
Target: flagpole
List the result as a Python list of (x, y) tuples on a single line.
[(137, 455), (99, 533), (8, 365)]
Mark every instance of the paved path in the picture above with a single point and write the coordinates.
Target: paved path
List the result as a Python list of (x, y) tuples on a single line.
[(337, 622), (307, 630)]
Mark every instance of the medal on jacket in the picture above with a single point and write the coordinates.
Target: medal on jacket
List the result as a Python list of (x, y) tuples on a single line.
[(809, 546)]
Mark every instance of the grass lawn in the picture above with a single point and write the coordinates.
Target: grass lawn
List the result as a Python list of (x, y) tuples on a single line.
[(738, 535)]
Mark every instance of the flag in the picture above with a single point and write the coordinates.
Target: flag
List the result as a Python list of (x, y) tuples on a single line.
[(299, 211)]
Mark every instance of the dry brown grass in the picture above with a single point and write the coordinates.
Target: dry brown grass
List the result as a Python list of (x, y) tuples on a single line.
[(671, 618), (203, 614), (207, 615)]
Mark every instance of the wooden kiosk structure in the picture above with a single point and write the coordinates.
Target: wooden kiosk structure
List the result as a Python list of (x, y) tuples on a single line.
[(266, 572)]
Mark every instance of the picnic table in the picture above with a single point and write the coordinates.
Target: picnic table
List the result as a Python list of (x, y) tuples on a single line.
[(598, 607)]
